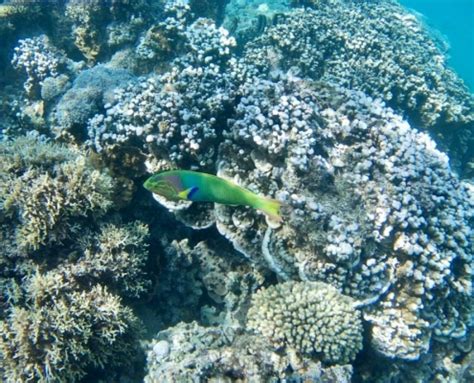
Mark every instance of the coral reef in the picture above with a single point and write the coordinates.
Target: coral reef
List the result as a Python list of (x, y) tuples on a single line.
[(99, 28), (64, 266), (402, 64), (38, 59), (193, 353), (247, 19), (178, 114), (91, 90), (311, 317), (61, 332), (193, 274), (164, 40), (116, 257), (47, 189), (385, 219), (333, 109)]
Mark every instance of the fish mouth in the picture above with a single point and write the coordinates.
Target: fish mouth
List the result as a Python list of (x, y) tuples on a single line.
[(148, 184)]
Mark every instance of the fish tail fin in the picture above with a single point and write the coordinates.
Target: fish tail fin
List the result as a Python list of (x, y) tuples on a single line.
[(271, 208)]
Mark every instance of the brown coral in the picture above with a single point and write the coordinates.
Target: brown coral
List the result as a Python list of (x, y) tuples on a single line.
[(63, 331), (47, 188)]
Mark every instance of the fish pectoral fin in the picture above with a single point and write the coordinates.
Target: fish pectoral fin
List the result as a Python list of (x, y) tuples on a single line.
[(188, 193)]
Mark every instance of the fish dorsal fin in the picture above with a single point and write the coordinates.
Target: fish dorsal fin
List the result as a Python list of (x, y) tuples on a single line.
[(188, 193)]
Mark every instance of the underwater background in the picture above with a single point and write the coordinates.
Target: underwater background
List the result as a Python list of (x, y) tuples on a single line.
[(336, 244), (454, 20)]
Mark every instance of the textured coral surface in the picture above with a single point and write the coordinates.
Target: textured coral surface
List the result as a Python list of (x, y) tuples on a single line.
[(343, 110)]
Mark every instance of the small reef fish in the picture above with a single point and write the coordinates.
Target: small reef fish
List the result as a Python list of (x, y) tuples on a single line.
[(194, 186)]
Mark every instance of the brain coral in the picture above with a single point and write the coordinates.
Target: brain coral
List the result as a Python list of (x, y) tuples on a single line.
[(311, 317)]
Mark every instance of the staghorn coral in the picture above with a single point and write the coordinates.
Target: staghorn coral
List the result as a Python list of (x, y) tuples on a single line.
[(311, 317), (189, 352), (46, 189), (61, 332), (401, 63)]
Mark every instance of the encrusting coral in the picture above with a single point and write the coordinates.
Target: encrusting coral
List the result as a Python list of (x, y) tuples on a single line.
[(311, 317)]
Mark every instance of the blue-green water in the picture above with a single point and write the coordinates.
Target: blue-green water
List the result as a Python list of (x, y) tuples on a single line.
[(455, 20)]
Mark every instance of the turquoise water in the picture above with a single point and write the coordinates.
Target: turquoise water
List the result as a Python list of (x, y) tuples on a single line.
[(455, 20)]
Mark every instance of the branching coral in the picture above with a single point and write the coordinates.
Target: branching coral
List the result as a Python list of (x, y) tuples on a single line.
[(312, 317), (46, 189), (61, 332), (377, 211), (176, 115), (116, 257), (381, 49), (39, 60)]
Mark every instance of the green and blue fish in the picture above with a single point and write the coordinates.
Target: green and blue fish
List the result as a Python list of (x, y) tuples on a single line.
[(187, 185)]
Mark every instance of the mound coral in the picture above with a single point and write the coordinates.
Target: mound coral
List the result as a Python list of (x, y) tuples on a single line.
[(311, 317)]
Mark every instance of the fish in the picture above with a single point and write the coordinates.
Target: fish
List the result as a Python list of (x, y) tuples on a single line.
[(188, 185)]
